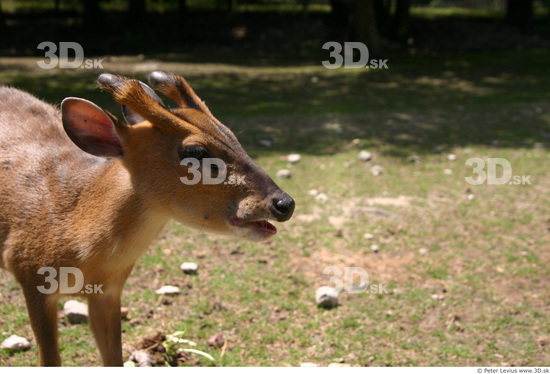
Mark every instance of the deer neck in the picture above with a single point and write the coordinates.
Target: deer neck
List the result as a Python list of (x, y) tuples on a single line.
[(115, 221)]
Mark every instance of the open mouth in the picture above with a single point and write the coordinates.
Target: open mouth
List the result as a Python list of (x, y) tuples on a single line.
[(261, 228)]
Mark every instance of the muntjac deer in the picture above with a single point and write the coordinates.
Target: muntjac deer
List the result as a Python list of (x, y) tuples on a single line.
[(81, 189)]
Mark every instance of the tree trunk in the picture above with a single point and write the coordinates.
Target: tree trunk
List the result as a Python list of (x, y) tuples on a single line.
[(363, 25), (339, 14), (382, 10), (400, 27), (137, 9), (519, 13), (2, 20), (91, 15), (305, 6), (182, 7)]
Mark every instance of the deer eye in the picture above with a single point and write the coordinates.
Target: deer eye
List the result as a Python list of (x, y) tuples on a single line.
[(195, 151)]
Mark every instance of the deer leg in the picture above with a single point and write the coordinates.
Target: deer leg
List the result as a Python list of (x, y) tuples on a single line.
[(42, 310), (104, 316)]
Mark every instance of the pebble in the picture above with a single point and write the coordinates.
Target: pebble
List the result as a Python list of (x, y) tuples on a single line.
[(414, 159), (312, 192), (265, 143), (309, 365), (377, 170), (76, 311), (142, 358), (15, 344), (293, 158), (338, 365), (284, 173), (447, 171), (217, 340), (326, 297), (189, 268), (451, 157), (423, 251), (374, 248), (368, 236), (168, 290), (321, 198), (365, 156)]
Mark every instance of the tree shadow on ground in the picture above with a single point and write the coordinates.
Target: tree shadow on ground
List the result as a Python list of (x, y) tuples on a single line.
[(418, 104)]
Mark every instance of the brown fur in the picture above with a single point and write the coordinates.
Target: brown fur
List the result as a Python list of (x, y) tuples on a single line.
[(61, 207)]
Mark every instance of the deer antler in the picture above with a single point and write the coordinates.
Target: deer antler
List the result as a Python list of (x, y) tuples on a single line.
[(130, 93), (177, 89)]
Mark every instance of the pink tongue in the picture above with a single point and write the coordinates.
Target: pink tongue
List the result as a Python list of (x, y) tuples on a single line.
[(269, 226), (264, 225)]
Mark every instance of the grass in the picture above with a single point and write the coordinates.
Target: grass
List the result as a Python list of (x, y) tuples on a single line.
[(486, 254)]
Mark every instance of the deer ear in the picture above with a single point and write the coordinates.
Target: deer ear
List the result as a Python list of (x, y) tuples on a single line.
[(132, 117), (90, 128)]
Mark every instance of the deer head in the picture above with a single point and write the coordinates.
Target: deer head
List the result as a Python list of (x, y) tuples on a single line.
[(182, 162)]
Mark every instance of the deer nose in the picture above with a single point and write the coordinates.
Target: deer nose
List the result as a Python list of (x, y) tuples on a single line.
[(282, 207)]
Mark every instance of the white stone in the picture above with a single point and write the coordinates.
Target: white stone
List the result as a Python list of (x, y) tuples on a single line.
[(189, 267), (368, 236), (365, 156), (326, 297), (309, 365), (284, 173), (321, 198), (15, 344), (76, 311), (293, 158), (168, 290), (265, 143), (377, 170)]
